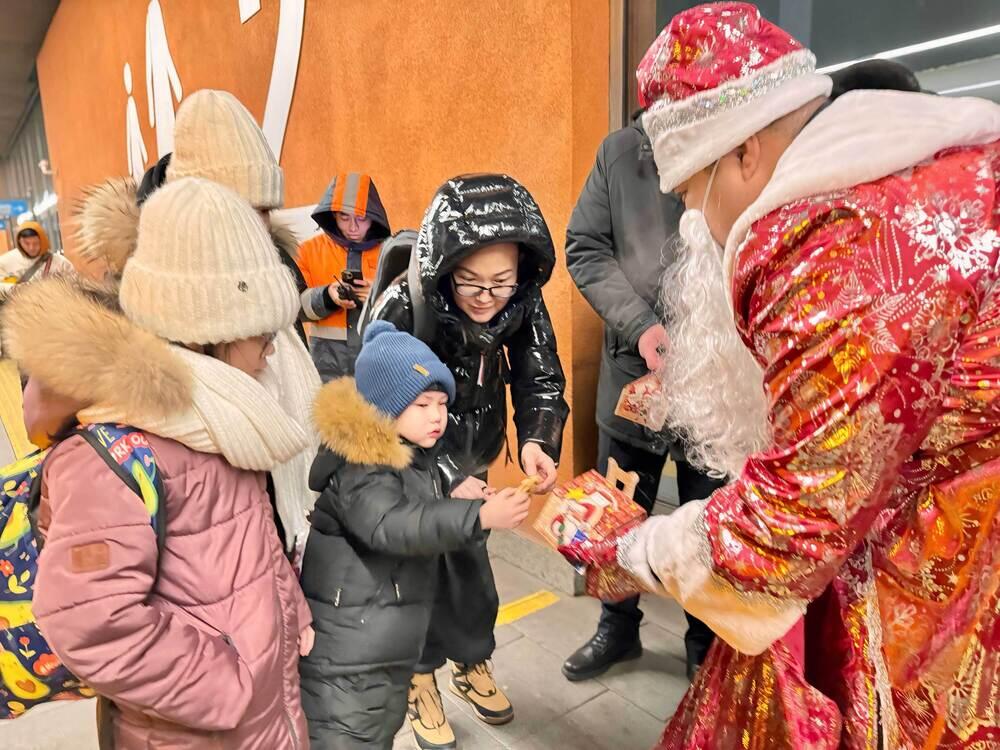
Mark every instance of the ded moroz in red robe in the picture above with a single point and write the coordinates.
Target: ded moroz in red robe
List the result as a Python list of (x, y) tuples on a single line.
[(865, 281)]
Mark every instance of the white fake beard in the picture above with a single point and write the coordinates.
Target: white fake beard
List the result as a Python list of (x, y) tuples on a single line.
[(713, 386)]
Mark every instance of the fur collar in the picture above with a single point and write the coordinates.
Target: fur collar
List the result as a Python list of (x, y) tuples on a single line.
[(356, 430), (284, 239), (107, 225), (71, 335), (861, 137)]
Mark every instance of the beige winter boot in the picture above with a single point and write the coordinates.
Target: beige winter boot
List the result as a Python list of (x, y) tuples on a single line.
[(426, 714), (474, 683)]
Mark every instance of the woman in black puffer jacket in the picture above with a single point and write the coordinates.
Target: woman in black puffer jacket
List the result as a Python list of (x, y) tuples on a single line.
[(484, 252)]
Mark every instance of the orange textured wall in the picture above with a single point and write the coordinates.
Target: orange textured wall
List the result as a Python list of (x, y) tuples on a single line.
[(412, 92)]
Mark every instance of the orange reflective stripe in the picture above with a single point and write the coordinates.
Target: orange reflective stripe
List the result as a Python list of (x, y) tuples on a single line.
[(361, 200), (337, 199)]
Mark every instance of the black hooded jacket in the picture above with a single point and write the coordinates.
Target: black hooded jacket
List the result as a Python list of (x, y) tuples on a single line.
[(517, 347), (379, 523)]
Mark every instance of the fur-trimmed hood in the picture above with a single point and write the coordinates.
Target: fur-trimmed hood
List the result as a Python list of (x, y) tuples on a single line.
[(355, 430), (90, 351), (107, 225)]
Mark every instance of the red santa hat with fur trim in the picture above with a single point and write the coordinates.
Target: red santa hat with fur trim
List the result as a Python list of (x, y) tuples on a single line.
[(717, 74)]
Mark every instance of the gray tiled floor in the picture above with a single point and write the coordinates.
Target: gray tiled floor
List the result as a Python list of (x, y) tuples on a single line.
[(623, 710)]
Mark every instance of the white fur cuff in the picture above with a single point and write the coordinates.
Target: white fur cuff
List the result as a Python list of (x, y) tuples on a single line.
[(671, 556)]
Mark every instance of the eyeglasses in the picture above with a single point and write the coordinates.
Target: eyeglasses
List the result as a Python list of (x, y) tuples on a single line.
[(267, 340), (503, 291)]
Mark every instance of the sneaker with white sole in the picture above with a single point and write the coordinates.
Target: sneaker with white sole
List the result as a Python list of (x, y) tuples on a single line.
[(474, 683)]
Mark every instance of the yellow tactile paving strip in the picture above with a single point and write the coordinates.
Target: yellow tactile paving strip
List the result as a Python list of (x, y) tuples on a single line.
[(11, 409), (515, 610)]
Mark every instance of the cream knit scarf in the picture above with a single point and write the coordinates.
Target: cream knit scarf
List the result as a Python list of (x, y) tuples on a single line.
[(260, 425)]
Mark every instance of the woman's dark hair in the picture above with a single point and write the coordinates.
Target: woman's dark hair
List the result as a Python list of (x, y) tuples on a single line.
[(874, 74), (155, 176)]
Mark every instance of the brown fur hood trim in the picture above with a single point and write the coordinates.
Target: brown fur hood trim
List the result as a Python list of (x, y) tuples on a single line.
[(73, 337), (355, 429), (107, 223)]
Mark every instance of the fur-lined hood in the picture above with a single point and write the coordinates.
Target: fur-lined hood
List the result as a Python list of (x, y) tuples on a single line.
[(89, 351), (107, 225), (354, 429)]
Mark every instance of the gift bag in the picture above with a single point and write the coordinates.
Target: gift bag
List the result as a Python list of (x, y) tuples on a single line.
[(642, 402), (587, 512)]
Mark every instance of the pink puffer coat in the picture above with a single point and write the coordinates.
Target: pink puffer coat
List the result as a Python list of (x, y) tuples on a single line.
[(197, 647)]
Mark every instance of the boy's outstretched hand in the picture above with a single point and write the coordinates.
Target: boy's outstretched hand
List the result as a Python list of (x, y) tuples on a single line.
[(537, 462), (505, 509)]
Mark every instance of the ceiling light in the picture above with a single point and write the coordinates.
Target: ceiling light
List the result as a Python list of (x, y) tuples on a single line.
[(971, 87), (912, 49)]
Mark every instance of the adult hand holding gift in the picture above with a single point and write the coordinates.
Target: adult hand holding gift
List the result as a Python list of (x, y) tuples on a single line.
[(604, 576)]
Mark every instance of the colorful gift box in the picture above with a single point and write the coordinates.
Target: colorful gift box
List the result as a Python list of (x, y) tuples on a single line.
[(583, 513)]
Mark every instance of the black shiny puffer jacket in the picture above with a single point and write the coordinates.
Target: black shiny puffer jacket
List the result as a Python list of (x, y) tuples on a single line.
[(517, 347)]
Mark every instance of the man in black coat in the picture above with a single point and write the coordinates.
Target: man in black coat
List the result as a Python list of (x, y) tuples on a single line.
[(618, 244)]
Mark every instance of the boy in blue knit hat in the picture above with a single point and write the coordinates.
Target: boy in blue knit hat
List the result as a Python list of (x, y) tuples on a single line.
[(370, 564)]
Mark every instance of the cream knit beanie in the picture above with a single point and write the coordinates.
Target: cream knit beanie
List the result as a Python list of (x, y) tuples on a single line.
[(204, 269), (217, 138)]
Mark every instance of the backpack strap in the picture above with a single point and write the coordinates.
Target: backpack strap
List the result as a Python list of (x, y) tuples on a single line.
[(423, 322), (128, 454), (43, 265)]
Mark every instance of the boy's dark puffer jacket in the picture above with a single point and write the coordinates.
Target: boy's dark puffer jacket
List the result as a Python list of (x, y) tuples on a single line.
[(369, 570), (517, 347)]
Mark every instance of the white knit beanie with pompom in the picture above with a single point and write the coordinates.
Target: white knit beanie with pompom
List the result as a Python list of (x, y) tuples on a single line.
[(217, 138), (205, 270)]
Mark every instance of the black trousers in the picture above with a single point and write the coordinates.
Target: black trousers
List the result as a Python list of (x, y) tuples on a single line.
[(622, 619), (465, 609)]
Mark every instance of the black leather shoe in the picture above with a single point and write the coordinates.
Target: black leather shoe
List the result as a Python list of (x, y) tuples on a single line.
[(599, 654)]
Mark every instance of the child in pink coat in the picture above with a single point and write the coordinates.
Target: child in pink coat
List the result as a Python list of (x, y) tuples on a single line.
[(194, 645)]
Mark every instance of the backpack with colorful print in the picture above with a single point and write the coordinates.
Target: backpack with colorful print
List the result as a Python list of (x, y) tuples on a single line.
[(30, 673)]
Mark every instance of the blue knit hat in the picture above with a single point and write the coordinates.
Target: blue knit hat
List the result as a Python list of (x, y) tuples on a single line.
[(394, 368)]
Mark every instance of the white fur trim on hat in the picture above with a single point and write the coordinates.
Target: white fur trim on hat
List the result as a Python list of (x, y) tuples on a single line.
[(205, 270), (217, 138), (690, 134)]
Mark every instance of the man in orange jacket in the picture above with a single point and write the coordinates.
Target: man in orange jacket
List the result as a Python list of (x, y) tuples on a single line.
[(338, 266), (32, 258)]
